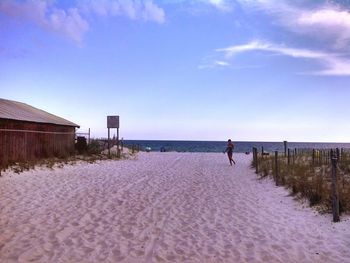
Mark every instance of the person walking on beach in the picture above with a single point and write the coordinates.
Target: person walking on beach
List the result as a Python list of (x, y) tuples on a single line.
[(229, 151)]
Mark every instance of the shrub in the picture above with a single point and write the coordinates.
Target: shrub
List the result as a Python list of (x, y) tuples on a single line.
[(81, 145), (94, 147)]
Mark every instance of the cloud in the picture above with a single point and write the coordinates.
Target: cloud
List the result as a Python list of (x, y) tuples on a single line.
[(69, 23), (333, 23), (264, 46), (328, 21), (221, 63), (222, 5), (153, 12), (334, 63), (42, 13), (72, 23), (135, 10), (210, 62)]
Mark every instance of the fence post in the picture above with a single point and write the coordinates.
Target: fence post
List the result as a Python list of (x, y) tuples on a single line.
[(338, 154), (341, 153), (89, 137), (276, 167), (288, 157), (285, 148), (335, 196), (254, 157), (257, 162)]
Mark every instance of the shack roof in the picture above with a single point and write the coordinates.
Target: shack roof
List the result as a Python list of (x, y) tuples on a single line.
[(14, 110)]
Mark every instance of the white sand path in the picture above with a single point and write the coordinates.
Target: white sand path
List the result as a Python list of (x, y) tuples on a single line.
[(172, 207)]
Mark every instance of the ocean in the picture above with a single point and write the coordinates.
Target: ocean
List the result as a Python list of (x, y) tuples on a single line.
[(220, 146)]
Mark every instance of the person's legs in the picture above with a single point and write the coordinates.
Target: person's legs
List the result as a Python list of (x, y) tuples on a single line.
[(230, 157), (233, 160)]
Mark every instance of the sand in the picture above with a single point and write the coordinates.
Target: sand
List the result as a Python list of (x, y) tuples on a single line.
[(161, 207)]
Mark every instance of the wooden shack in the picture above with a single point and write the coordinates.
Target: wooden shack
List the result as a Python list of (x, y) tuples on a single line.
[(28, 133)]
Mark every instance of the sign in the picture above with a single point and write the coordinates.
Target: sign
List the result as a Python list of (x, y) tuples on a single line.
[(113, 122)]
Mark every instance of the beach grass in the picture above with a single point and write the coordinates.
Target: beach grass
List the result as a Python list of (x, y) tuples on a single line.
[(310, 178)]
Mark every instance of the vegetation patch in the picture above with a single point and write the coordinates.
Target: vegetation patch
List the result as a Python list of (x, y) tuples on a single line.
[(308, 175)]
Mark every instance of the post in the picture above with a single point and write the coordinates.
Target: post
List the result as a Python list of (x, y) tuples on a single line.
[(109, 150), (256, 160), (338, 154), (254, 157), (341, 152), (319, 157), (313, 157), (335, 196), (262, 151), (276, 167), (118, 150), (89, 137), (285, 148), (288, 160), (122, 143)]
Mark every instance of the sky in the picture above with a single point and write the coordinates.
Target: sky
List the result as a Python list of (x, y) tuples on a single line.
[(249, 70)]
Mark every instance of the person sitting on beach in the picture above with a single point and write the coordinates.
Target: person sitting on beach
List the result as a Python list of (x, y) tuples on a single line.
[(229, 151)]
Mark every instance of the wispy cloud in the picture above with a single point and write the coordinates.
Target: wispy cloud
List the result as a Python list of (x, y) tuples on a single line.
[(264, 46), (221, 63), (73, 22), (210, 62), (333, 63), (326, 21), (135, 10), (222, 5)]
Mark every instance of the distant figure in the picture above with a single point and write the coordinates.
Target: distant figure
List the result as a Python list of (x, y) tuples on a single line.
[(229, 151)]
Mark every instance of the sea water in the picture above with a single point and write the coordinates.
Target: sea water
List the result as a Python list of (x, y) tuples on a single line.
[(220, 146)]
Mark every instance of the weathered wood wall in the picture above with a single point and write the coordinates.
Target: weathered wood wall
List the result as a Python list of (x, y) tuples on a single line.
[(24, 141)]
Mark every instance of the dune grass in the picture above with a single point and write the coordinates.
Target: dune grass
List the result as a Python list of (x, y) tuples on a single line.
[(308, 175)]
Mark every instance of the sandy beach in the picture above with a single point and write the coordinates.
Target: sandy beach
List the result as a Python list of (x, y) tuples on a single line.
[(161, 207)]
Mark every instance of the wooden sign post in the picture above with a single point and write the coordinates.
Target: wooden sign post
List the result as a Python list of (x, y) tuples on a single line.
[(113, 122)]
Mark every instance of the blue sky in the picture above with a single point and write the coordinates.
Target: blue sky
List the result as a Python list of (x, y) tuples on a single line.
[(268, 70)]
